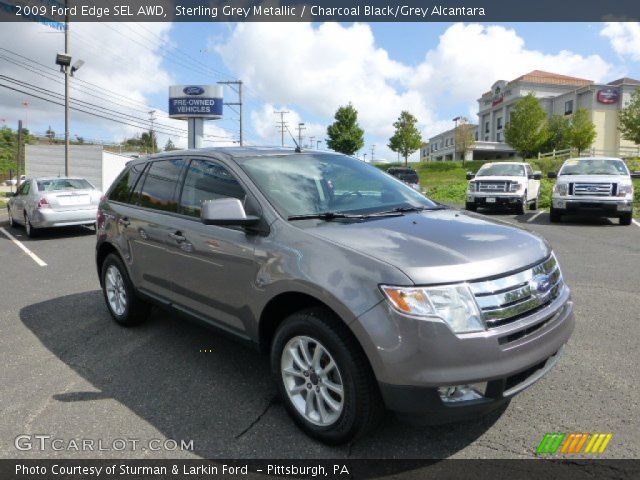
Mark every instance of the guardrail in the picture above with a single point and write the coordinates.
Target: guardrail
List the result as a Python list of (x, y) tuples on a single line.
[(622, 152)]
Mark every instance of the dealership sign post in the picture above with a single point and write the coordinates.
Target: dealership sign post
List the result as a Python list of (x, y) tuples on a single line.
[(195, 103)]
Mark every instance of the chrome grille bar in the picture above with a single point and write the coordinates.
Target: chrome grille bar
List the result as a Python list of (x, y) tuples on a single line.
[(593, 189), (493, 187), (510, 297)]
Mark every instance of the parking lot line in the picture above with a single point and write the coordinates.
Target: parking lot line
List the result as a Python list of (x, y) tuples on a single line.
[(636, 222), (536, 216), (20, 245)]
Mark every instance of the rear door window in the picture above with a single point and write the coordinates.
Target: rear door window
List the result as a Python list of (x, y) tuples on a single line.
[(159, 187), (207, 180)]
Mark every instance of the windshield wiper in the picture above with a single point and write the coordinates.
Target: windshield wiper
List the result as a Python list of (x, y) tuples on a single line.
[(324, 216), (328, 216), (412, 209)]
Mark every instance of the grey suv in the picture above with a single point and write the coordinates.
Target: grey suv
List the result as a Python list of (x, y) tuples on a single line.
[(365, 293)]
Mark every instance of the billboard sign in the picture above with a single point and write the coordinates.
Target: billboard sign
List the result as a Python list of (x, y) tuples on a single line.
[(195, 101), (608, 96)]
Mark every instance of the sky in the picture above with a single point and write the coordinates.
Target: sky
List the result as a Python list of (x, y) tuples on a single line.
[(436, 71)]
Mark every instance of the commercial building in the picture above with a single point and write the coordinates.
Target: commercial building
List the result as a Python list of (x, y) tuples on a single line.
[(558, 95), (90, 162)]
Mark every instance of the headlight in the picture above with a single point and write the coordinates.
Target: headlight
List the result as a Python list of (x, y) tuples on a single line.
[(515, 186), (561, 189), (471, 187), (625, 189), (453, 304)]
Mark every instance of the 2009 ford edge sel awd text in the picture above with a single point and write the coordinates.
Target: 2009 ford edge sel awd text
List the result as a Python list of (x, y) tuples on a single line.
[(365, 293)]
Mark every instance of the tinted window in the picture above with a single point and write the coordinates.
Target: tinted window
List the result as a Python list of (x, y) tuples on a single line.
[(596, 166), (24, 188), (160, 184), (207, 180), (121, 191)]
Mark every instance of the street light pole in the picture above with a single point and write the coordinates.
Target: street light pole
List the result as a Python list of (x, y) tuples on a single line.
[(66, 95)]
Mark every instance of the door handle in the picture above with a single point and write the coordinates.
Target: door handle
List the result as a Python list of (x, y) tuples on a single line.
[(124, 221), (178, 237)]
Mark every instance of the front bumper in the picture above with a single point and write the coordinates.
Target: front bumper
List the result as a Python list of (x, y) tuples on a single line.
[(46, 218), (490, 200), (412, 358), (592, 205)]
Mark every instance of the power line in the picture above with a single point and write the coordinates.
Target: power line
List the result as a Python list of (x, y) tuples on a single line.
[(282, 124)]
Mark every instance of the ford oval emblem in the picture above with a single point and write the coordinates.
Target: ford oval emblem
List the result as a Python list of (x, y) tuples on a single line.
[(540, 285), (193, 90)]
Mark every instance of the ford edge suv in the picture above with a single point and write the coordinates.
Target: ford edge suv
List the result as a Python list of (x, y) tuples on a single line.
[(364, 293)]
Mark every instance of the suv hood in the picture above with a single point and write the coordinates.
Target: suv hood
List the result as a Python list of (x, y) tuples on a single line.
[(444, 246)]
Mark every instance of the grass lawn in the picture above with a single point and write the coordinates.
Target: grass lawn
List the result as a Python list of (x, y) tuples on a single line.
[(446, 182)]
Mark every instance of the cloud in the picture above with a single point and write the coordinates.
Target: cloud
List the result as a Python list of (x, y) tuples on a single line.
[(266, 124), (624, 38), (320, 67), (123, 62)]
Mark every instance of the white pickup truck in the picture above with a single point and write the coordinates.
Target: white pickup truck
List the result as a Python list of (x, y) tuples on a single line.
[(504, 184), (595, 186)]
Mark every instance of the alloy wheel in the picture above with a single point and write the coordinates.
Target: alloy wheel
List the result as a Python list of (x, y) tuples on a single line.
[(312, 380), (116, 294)]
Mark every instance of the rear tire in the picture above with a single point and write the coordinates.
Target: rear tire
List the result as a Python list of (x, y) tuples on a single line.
[(334, 404), (124, 305), (534, 205), (29, 229), (626, 218), (554, 215), (472, 207)]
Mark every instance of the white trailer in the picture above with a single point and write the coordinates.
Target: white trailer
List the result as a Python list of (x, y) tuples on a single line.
[(91, 162)]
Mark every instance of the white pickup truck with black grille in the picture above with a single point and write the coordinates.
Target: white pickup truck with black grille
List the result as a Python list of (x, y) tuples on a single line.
[(595, 186), (504, 184)]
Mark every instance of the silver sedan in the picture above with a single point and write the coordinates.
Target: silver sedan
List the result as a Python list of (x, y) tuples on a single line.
[(53, 202)]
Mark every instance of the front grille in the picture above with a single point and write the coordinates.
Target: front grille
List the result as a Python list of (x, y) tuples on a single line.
[(593, 189), (506, 299), (493, 186)]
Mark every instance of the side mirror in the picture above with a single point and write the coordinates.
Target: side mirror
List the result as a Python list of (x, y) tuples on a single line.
[(537, 175), (552, 175), (226, 211), (470, 176)]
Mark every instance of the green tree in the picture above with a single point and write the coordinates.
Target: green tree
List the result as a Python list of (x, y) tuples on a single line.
[(526, 131), (407, 138), (169, 146), (558, 134), (629, 117), (9, 148), (464, 138), (582, 131), (345, 135)]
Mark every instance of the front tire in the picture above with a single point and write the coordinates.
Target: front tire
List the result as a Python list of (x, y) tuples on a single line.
[(123, 303), (324, 378), (521, 207), (12, 222), (626, 218)]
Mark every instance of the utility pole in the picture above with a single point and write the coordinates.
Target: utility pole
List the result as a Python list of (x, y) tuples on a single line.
[(311, 139), (455, 134), (301, 127), (318, 142), (364, 157), (152, 118), (282, 124), (238, 103), (373, 149), (19, 161)]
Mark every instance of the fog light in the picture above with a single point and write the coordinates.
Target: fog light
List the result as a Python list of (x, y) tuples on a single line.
[(462, 393)]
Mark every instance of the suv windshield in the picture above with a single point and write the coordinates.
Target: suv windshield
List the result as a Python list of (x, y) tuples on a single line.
[(594, 167), (308, 184), (497, 169), (58, 184)]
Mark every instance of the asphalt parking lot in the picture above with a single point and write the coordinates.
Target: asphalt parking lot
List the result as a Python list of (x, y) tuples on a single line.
[(70, 372)]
